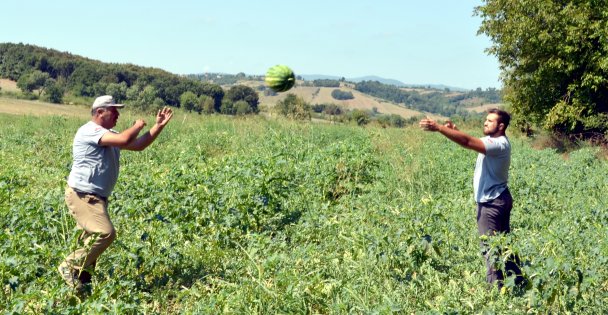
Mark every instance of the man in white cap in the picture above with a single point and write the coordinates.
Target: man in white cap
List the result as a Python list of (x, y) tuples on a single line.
[(96, 151)]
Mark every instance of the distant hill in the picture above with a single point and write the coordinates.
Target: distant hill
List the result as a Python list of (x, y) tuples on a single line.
[(369, 94), (312, 77), (322, 95)]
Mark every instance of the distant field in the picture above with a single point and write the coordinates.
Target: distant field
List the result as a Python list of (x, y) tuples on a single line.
[(37, 108), (322, 95), (8, 85)]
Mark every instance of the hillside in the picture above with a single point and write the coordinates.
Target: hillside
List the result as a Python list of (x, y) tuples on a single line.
[(322, 95), (374, 96)]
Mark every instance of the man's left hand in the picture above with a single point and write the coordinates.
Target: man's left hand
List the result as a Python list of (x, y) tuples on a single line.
[(163, 116)]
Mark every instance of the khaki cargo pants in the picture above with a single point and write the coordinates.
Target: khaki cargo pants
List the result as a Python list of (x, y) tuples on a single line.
[(91, 214)]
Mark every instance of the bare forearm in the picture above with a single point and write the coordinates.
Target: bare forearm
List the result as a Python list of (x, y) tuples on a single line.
[(147, 138), (457, 136)]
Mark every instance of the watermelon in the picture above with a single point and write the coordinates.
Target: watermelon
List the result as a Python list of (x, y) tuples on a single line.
[(280, 78)]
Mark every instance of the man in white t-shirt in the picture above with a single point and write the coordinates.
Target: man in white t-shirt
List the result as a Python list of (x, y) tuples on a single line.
[(96, 153), (494, 201)]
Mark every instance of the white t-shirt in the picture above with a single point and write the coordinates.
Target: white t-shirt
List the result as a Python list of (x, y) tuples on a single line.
[(492, 169), (95, 168)]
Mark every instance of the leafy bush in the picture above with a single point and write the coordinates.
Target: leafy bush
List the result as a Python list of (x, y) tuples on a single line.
[(294, 107), (342, 95)]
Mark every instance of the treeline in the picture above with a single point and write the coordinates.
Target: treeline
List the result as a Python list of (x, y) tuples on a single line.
[(489, 95), (433, 102), (326, 83), (56, 75), (224, 78)]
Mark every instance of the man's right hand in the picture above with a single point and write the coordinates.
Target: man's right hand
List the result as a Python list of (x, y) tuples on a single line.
[(140, 124), (428, 124)]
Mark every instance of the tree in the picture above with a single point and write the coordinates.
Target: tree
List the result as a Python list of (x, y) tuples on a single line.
[(294, 107), (243, 93), (342, 95), (188, 101), (553, 61), (31, 81), (227, 107), (242, 108), (53, 92), (333, 109), (206, 104), (360, 117), (118, 91)]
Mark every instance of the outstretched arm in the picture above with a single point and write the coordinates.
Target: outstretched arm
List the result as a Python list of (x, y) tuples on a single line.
[(450, 131), (162, 118), (122, 139)]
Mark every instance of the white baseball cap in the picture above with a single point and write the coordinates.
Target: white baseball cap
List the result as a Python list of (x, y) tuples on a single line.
[(105, 101)]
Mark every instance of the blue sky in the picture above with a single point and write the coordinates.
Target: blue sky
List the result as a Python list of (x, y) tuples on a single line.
[(416, 42)]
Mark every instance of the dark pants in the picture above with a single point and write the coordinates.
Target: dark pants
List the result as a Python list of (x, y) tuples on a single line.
[(493, 217)]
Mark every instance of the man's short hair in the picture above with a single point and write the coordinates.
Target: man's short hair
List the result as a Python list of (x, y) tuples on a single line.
[(503, 116)]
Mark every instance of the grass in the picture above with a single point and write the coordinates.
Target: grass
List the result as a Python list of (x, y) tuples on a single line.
[(38, 108)]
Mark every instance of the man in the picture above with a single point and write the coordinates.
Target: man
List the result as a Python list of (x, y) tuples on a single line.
[(494, 201), (96, 151)]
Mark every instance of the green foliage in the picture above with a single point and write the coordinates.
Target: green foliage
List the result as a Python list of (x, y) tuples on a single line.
[(206, 104), (553, 57), (244, 93), (82, 78), (489, 95), (342, 95), (53, 92), (118, 91), (294, 107), (360, 117), (188, 101), (329, 109), (434, 102), (35, 80), (227, 107), (392, 120), (326, 83), (224, 78), (242, 108), (276, 217)]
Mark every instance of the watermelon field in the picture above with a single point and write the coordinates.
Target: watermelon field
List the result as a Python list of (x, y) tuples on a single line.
[(257, 216)]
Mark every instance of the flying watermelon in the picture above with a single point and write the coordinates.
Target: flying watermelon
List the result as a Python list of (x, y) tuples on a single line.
[(280, 78)]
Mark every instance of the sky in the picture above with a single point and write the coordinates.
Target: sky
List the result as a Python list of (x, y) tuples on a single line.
[(415, 42)]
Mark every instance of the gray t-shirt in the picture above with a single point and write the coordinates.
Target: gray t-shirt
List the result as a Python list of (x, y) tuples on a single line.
[(492, 169), (95, 167)]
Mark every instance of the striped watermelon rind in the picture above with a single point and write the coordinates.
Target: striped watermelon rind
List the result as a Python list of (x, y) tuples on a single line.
[(280, 78)]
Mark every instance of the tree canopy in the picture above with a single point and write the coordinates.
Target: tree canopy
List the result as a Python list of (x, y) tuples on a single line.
[(37, 68), (554, 61)]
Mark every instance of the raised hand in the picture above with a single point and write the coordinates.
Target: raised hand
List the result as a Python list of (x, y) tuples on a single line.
[(140, 123), (428, 124), (163, 116), (450, 124)]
